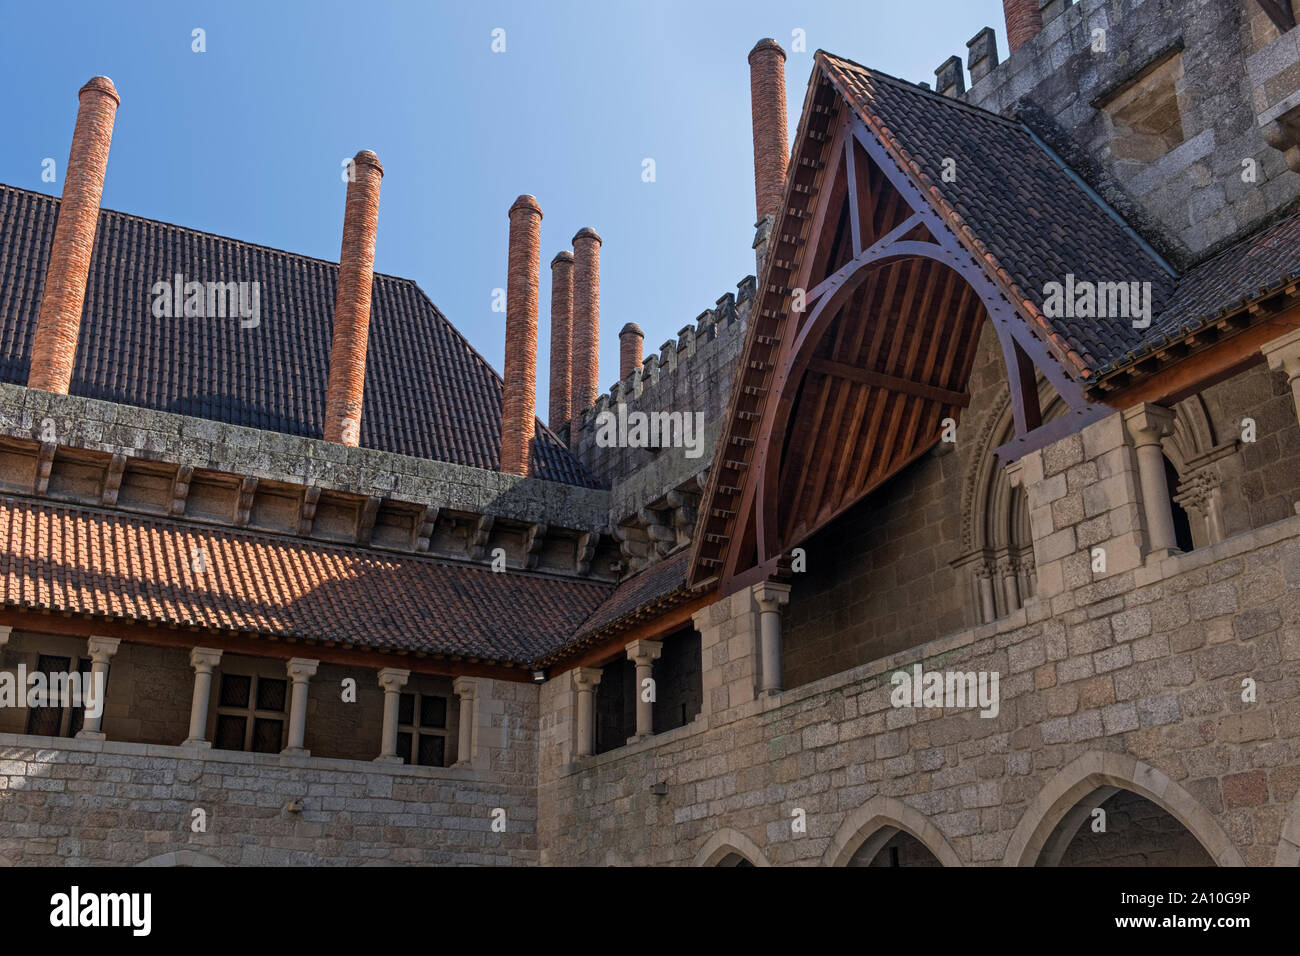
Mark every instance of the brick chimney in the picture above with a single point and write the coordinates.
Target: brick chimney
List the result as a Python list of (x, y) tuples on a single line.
[(771, 143), (561, 339), (1023, 22), (347, 378), (54, 347), (519, 399), (585, 372), (629, 349)]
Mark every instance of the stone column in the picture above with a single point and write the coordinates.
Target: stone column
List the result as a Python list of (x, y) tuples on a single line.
[(585, 680), (769, 596), (392, 681), (101, 650), (644, 654), (988, 603), (466, 688), (1283, 355), (1147, 424), (203, 660), (1010, 572), (300, 671)]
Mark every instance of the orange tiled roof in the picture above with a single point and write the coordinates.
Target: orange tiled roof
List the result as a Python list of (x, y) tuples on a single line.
[(79, 561)]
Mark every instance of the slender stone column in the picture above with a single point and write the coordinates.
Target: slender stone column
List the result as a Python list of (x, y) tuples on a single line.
[(300, 671), (466, 688), (585, 680), (101, 650), (1010, 573), (644, 654), (988, 603), (770, 595), (392, 681), (203, 660), (1146, 425)]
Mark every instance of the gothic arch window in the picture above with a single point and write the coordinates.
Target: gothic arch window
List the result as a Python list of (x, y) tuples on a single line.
[(998, 547)]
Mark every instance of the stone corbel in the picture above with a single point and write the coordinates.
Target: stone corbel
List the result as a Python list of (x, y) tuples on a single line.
[(307, 511), (181, 489), (366, 519), (424, 528), (585, 552), (113, 480), (478, 542), (534, 538), (244, 506)]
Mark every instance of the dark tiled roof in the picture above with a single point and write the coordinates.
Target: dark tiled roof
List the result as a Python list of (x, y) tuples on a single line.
[(428, 393), (1246, 272), (79, 561), (649, 587), (1013, 199)]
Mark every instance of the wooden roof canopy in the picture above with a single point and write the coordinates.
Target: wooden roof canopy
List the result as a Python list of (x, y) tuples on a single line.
[(834, 398)]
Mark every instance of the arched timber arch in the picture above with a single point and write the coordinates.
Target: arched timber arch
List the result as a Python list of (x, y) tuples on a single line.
[(1097, 770), (883, 817), (725, 842)]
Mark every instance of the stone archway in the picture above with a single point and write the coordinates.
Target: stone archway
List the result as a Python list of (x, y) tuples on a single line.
[(721, 848), (878, 821), (1288, 844), (181, 858), (1039, 834)]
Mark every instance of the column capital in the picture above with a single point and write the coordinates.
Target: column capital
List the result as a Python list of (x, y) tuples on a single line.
[(586, 678), (1148, 423), (392, 678), (301, 668), (1015, 473), (770, 595), (465, 687), (643, 651), (1283, 354), (204, 658), (102, 648)]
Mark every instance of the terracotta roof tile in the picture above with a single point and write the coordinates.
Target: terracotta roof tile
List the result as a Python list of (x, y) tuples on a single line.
[(79, 561)]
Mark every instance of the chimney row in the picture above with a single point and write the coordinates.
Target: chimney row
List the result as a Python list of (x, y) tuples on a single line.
[(347, 376), (519, 398), (629, 349), (54, 347), (561, 339), (585, 369), (771, 143)]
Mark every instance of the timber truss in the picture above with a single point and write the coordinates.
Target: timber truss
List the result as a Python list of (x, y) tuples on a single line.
[(859, 350)]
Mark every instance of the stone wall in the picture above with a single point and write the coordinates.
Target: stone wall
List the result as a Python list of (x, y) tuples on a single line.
[(692, 374), (1237, 76), (1129, 678), (73, 802)]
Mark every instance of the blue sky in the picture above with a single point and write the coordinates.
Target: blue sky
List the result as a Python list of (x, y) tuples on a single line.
[(246, 139)]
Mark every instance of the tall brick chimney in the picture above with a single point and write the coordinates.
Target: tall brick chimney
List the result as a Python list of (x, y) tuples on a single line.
[(1023, 22), (771, 144), (561, 339), (629, 349), (585, 374), (520, 396), (347, 377), (54, 347)]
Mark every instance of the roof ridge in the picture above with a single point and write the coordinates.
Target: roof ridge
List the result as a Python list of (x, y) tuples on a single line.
[(928, 93)]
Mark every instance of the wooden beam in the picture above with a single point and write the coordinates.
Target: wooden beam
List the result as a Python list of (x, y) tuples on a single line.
[(1279, 11), (1197, 373), (893, 383)]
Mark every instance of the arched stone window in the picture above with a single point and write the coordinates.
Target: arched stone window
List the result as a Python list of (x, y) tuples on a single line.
[(997, 546)]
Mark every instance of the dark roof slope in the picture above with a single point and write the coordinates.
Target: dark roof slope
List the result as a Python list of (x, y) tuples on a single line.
[(76, 560), (428, 393), (1246, 272), (1013, 198)]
